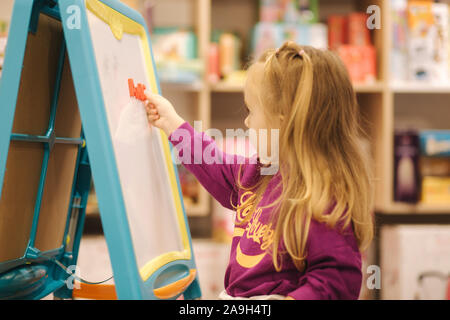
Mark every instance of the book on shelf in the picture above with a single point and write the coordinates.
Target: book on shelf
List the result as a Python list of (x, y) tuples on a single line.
[(435, 143), (420, 42), (436, 190), (349, 36)]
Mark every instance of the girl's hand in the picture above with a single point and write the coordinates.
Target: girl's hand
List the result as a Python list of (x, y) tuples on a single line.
[(161, 113)]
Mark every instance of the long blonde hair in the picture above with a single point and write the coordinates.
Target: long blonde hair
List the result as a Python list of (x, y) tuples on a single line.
[(322, 163)]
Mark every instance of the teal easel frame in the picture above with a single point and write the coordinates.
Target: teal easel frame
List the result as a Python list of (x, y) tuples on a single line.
[(128, 282)]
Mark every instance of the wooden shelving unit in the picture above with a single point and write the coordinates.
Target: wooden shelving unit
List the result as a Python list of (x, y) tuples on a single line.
[(206, 102), (376, 87), (383, 103)]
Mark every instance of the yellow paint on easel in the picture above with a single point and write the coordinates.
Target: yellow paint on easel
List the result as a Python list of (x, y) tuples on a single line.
[(150, 267), (119, 25), (174, 187)]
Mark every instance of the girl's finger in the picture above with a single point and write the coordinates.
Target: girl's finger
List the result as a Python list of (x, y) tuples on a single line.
[(154, 98), (153, 117)]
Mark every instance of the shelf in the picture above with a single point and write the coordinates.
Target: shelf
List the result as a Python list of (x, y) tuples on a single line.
[(227, 87), (378, 100), (197, 211), (359, 88), (179, 86), (376, 87), (404, 208), (419, 88)]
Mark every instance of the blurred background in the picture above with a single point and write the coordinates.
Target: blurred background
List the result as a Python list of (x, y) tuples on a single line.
[(398, 56)]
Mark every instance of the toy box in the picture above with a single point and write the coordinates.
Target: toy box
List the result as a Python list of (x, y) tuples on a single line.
[(428, 41), (176, 55), (337, 31), (436, 167), (358, 33), (360, 62), (435, 143), (415, 262), (439, 71), (273, 35), (436, 190), (398, 66), (290, 11), (266, 36)]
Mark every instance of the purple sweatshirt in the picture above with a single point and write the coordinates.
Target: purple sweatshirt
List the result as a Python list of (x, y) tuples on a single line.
[(333, 263)]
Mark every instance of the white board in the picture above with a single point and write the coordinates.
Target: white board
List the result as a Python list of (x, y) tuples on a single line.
[(143, 172)]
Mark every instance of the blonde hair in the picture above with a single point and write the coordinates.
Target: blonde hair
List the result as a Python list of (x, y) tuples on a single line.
[(322, 163)]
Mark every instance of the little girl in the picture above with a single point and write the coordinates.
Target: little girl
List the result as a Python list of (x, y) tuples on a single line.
[(298, 232)]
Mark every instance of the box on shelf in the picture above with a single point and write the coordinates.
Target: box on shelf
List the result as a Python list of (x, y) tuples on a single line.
[(269, 11), (291, 11), (440, 70), (448, 42), (236, 78), (229, 53), (273, 35), (435, 143), (360, 62), (436, 190), (358, 33), (224, 56), (337, 31), (415, 262), (428, 39), (318, 35), (175, 52), (350, 38), (213, 63), (435, 167), (266, 36), (398, 54)]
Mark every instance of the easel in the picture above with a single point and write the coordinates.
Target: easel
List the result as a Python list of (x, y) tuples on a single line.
[(45, 172)]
